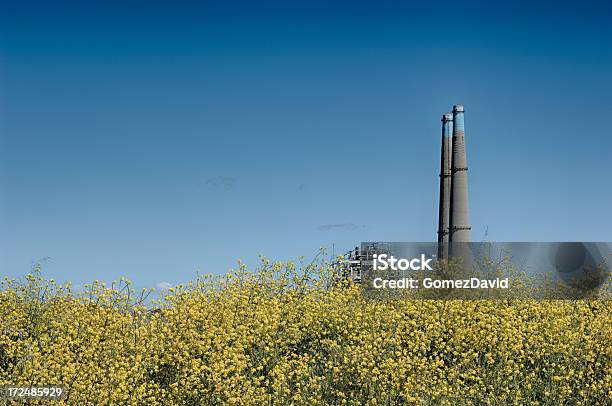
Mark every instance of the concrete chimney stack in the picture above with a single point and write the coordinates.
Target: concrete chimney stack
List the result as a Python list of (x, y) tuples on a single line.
[(459, 210), (445, 184)]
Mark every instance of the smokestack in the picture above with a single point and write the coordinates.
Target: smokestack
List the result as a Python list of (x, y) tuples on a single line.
[(445, 185), (459, 211)]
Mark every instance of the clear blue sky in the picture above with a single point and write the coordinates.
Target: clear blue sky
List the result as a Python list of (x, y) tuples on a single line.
[(155, 141)]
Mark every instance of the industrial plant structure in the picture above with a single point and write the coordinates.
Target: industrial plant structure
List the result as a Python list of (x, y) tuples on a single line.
[(453, 214)]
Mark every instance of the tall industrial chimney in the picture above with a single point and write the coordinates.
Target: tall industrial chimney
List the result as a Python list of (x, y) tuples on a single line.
[(445, 185), (459, 211)]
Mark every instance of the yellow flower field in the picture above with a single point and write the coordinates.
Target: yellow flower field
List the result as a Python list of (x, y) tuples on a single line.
[(284, 335)]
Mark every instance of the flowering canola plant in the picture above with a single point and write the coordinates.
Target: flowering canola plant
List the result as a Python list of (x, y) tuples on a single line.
[(290, 334)]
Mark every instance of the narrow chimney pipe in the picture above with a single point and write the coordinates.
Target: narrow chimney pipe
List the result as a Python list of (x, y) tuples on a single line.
[(459, 211), (445, 184)]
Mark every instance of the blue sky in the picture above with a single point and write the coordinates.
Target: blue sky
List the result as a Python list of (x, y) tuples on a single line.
[(155, 142)]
